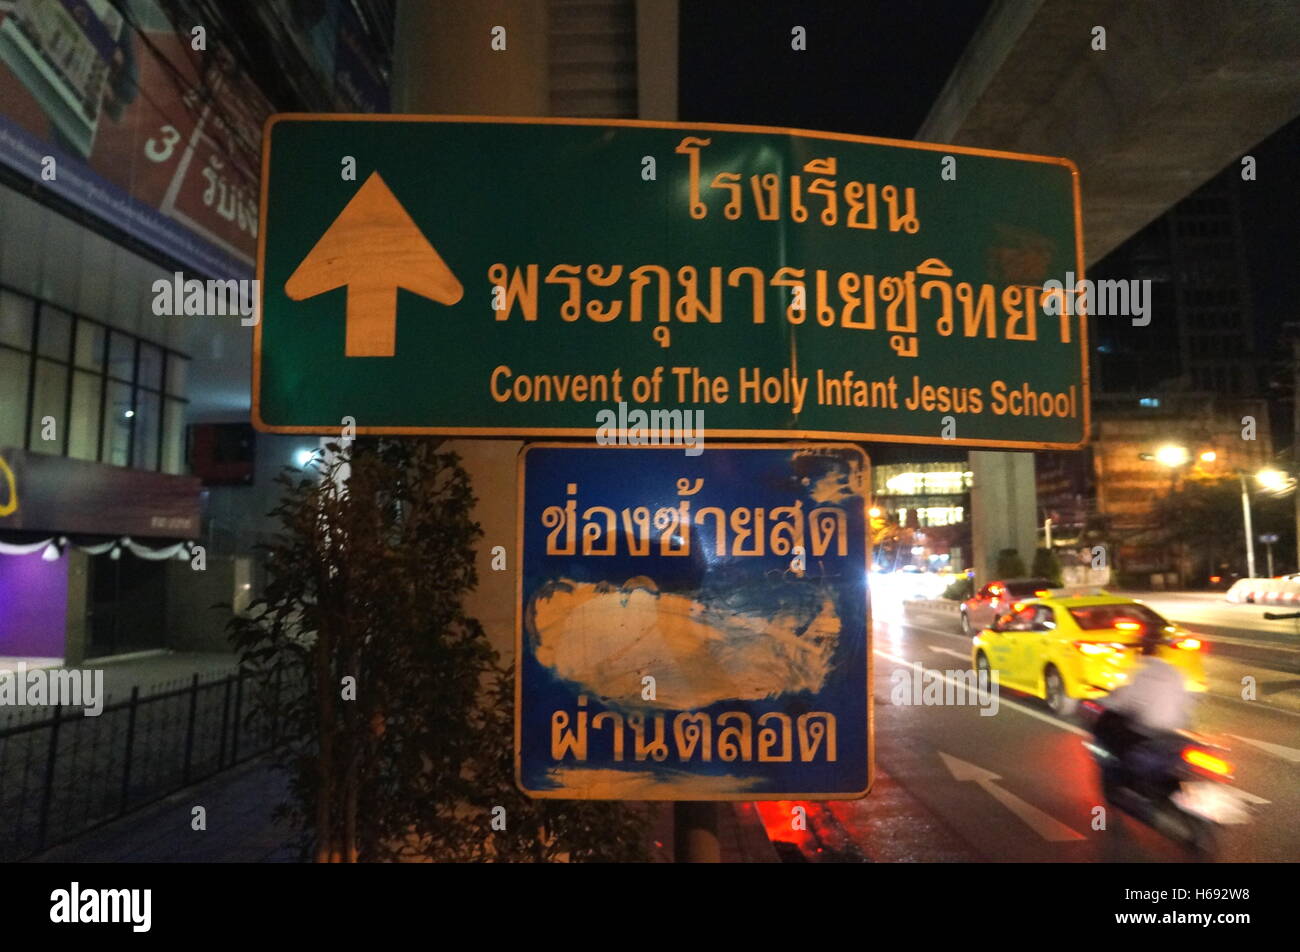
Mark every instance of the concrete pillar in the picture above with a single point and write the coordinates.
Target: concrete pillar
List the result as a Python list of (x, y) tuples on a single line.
[(1295, 443), (443, 63), (1004, 509), (656, 59)]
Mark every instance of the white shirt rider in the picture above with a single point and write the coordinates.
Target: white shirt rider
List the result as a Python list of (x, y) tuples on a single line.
[(1156, 697)]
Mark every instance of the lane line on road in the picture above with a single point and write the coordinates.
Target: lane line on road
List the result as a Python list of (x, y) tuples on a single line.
[(1252, 704), (1002, 699), (950, 651), (1025, 709), (1209, 694), (1277, 750)]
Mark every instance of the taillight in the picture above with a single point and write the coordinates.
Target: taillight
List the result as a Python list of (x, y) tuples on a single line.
[(1188, 644), (1204, 760), (1098, 647)]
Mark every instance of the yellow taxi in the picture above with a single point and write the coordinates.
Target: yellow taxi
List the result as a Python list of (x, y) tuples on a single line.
[(1067, 647)]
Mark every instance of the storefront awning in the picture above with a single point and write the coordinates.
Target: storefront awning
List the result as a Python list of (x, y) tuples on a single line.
[(42, 493)]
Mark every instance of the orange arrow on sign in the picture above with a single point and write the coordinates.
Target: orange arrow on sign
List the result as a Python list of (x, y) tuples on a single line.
[(373, 248)]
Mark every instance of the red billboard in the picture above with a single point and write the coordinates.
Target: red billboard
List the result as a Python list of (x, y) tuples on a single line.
[(151, 126)]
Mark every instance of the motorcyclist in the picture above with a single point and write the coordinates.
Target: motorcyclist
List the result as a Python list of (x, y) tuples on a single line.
[(1145, 715), (1156, 698)]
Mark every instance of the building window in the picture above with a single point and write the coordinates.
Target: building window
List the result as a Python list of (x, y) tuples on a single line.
[(14, 372), (114, 398), (83, 423), (49, 394), (935, 516), (115, 443)]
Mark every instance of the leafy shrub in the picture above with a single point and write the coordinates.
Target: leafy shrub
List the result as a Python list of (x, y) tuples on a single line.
[(1047, 565), (367, 578), (960, 590), (1009, 564)]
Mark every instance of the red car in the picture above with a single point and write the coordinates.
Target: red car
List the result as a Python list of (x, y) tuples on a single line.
[(993, 599)]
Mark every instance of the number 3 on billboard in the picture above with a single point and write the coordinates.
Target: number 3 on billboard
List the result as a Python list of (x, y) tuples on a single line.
[(156, 153)]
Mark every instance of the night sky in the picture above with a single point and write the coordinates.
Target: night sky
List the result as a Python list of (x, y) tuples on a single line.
[(869, 69), (874, 68)]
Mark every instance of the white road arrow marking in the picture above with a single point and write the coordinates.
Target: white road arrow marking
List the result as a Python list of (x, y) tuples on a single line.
[(1045, 826), (1277, 750), (964, 655)]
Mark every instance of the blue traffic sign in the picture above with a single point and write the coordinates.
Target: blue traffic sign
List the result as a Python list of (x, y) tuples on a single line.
[(693, 627)]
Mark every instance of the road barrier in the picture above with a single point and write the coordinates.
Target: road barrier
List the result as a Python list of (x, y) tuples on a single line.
[(1266, 591)]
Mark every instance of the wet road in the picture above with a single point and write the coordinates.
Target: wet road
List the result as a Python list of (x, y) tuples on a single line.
[(1019, 786)]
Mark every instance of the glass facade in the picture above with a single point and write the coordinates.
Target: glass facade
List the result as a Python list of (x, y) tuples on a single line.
[(112, 397)]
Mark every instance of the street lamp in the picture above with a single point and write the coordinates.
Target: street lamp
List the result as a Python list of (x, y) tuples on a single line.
[(1272, 479), (1175, 457), (1171, 455), (1245, 515)]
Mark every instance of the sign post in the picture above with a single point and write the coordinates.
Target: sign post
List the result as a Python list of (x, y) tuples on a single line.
[(690, 627), (1269, 539)]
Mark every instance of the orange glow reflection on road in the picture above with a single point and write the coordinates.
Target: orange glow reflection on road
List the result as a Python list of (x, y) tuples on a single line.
[(778, 818)]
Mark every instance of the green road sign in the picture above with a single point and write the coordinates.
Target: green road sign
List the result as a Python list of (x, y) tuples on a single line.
[(486, 276)]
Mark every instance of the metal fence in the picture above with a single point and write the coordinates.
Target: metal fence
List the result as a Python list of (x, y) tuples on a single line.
[(62, 773)]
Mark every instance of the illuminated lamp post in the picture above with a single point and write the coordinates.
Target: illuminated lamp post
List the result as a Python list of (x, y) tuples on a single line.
[(1174, 457)]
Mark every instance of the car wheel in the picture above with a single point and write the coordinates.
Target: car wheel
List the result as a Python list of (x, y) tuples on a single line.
[(983, 673), (965, 624), (1062, 704)]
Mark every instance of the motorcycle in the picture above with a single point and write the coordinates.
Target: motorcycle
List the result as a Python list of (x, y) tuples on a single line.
[(1175, 783)]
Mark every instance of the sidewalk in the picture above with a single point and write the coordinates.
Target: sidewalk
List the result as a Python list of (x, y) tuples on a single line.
[(888, 826), (155, 673), (239, 801), (240, 828)]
